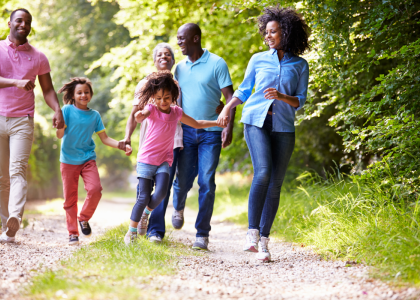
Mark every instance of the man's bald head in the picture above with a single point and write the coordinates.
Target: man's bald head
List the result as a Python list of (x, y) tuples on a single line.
[(12, 15), (191, 29), (189, 40)]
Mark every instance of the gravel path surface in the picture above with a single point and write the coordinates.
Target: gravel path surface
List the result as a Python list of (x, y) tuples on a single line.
[(44, 242), (225, 272)]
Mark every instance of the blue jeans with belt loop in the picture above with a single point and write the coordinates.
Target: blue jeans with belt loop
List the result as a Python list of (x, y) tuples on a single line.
[(270, 154)]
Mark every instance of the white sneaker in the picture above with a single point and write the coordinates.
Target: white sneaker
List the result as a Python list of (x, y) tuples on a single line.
[(155, 239), (6, 239), (263, 253), (252, 237), (142, 226)]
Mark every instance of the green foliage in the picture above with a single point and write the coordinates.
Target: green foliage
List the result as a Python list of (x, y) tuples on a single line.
[(368, 54), (108, 269)]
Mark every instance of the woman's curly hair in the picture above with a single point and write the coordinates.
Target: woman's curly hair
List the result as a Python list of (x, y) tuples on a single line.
[(160, 80), (69, 87), (294, 30)]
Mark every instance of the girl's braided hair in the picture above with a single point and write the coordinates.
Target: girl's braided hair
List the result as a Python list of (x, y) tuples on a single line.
[(160, 80), (69, 87)]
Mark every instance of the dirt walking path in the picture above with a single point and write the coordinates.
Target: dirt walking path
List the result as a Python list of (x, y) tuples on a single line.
[(44, 241), (225, 272)]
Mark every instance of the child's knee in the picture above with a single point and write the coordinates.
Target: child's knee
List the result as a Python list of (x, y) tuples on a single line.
[(95, 190)]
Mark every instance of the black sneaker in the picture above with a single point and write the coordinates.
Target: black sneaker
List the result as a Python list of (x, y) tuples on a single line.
[(73, 239), (85, 227)]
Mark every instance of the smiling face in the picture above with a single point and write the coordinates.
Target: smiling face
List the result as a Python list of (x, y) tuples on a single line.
[(185, 40), (20, 25), (164, 60), (82, 95), (163, 100), (273, 35)]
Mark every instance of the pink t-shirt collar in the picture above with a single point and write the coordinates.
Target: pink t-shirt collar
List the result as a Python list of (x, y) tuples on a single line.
[(24, 47)]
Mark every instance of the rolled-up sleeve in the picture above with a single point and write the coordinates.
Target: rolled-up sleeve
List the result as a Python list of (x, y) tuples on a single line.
[(244, 91), (302, 87)]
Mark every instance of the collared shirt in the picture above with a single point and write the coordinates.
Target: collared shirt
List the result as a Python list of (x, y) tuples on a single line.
[(77, 146), (201, 83), (21, 62), (289, 76)]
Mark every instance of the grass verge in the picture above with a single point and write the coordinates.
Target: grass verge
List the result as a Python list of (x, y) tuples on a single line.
[(342, 218), (108, 269)]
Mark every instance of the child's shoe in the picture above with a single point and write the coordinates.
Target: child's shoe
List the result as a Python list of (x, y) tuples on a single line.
[(130, 237), (263, 253), (252, 237), (85, 228), (142, 226), (73, 239)]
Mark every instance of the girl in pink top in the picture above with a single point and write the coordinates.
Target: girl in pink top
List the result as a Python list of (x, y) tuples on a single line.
[(156, 154)]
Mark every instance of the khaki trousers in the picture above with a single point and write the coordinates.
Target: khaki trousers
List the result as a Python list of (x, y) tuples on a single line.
[(16, 136)]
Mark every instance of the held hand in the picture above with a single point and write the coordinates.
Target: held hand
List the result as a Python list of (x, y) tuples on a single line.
[(128, 150), (223, 119), (220, 107), (58, 120), (25, 85), (272, 93), (226, 137), (122, 143)]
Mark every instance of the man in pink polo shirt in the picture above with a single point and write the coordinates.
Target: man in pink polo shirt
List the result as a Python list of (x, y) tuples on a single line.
[(20, 63)]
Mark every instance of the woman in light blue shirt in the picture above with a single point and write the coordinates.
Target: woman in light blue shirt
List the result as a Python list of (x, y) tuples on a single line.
[(280, 78)]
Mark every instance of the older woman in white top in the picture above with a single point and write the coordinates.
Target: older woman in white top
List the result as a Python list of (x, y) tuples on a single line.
[(164, 59)]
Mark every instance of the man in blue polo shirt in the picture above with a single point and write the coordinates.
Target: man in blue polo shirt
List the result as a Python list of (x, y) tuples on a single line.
[(203, 77)]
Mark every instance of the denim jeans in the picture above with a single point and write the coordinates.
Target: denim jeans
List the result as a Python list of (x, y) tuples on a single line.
[(200, 156), (157, 218), (270, 154), (145, 197)]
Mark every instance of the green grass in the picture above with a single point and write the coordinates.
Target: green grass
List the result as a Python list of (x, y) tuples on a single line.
[(343, 219), (108, 269)]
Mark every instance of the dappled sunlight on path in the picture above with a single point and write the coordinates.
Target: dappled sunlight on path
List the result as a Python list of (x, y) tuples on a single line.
[(227, 272)]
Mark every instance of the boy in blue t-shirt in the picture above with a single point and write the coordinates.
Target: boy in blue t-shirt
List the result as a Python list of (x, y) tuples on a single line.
[(78, 155)]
